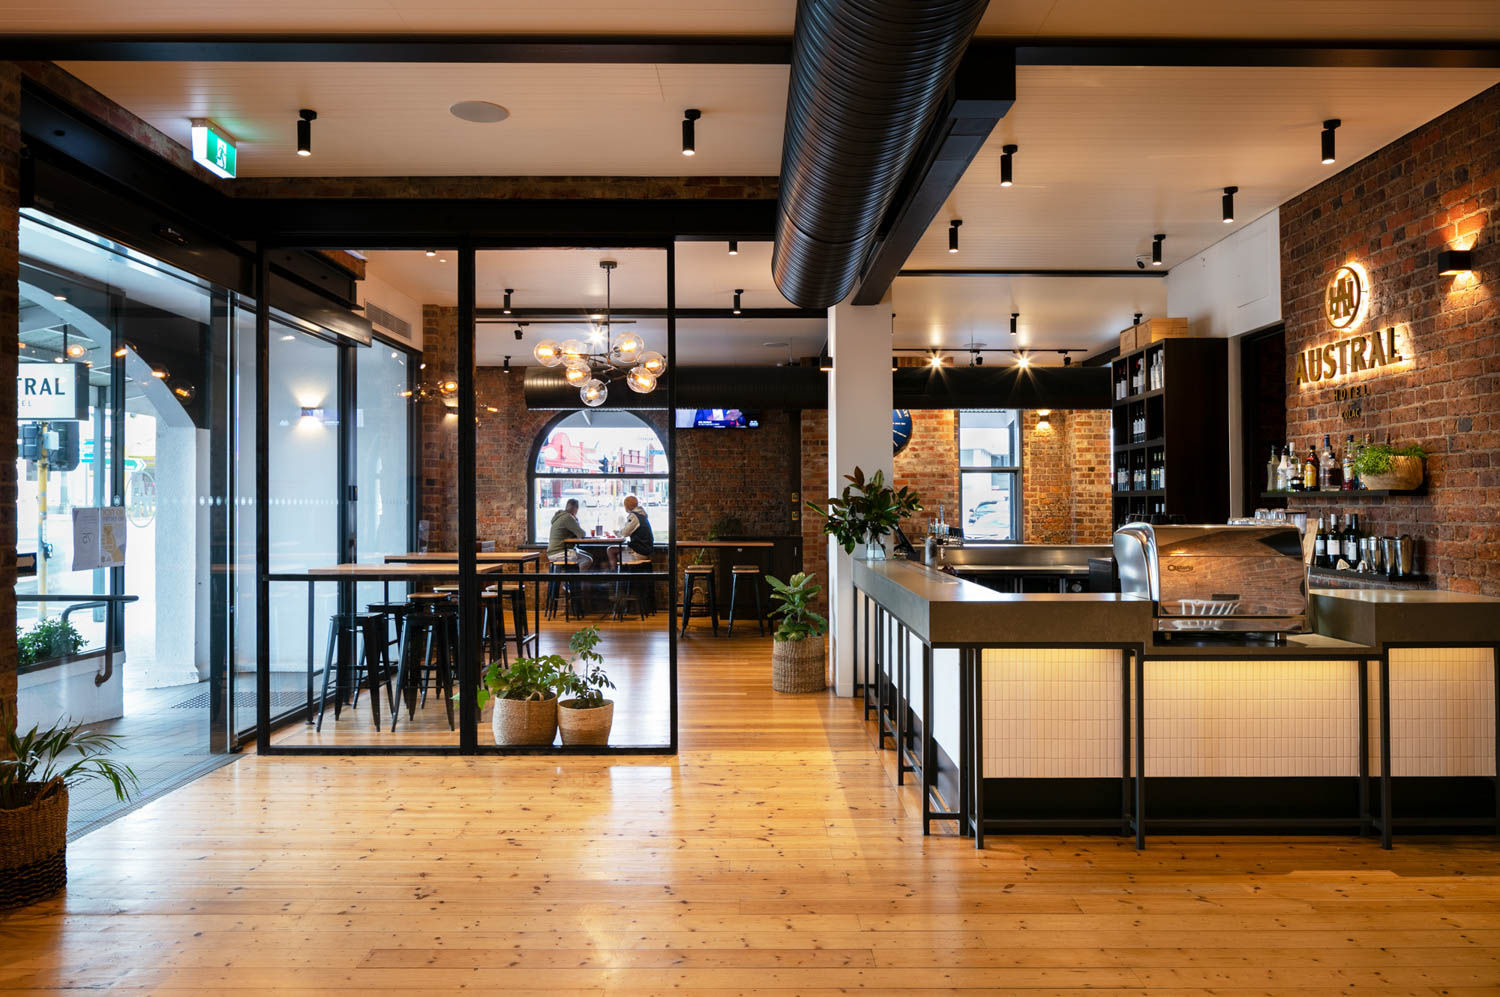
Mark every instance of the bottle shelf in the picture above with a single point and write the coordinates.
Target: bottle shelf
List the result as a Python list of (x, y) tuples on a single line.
[(1158, 442), (1362, 493), (1153, 393), (1143, 493)]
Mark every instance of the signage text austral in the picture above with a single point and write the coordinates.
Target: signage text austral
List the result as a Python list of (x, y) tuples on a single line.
[(1367, 351)]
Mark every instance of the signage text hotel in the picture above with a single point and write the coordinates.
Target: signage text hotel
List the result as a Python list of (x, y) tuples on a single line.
[(1345, 304)]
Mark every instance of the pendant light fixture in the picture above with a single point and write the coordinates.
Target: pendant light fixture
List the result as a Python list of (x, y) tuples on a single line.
[(1156, 242), (737, 292), (590, 369), (304, 131), (508, 292), (1013, 317), (1229, 193), (1328, 127), (953, 234), (689, 137), (734, 247), (1007, 151)]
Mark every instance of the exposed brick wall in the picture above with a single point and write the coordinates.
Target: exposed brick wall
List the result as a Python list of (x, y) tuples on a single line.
[(814, 459), (749, 474), (1088, 434), (1065, 477), (438, 447), (10, 156), (929, 467), (1432, 189)]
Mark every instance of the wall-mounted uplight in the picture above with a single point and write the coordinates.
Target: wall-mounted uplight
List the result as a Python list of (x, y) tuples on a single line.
[(1042, 417), (1451, 262), (309, 412)]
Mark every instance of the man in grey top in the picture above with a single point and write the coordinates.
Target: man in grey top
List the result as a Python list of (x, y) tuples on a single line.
[(564, 526)]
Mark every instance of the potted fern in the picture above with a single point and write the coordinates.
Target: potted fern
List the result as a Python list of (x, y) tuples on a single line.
[(35, 774), (797, 656), (587, 716), (525, 696), (866, 512), (1383, 467)]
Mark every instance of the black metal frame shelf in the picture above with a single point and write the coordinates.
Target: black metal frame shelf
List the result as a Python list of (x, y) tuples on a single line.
[(1357, 493)]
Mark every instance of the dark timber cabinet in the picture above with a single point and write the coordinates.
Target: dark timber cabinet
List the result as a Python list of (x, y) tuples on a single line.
[(1180, 428)]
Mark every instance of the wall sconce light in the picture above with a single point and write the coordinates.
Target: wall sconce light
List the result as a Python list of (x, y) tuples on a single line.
[(825, 363), (1455, 261), (312, 413), (1041, 419)]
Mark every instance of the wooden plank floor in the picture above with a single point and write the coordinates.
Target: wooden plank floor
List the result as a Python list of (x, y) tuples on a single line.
[(775, 853)]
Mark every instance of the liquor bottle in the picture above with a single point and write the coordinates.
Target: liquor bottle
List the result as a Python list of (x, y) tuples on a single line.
[(1348, 482), (1351, 540), (1271, 475), (1310, 469), (1330, 471), (1366, 447), (1291, 473), (1320, 545)]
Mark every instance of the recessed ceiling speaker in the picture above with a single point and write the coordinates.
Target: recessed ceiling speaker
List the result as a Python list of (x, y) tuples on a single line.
[(481, 112)]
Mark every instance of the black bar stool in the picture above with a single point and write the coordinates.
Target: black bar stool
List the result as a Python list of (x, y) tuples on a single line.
[(565, 588), (751, 572), (369, 667), (627, 593), (389, 613), (431, 620), (520, 622), (710, 595)]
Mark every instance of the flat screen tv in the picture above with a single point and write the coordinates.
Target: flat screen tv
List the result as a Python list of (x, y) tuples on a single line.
[(717, 418)]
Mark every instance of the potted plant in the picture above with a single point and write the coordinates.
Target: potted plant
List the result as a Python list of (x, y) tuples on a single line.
[(525, 696), (50, 638), (1383, 467), (587, 716), (797, 655), (866, 512), (35, 775)]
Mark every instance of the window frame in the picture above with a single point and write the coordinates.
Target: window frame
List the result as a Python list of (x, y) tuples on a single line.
[(1013, 470), (532, 474)]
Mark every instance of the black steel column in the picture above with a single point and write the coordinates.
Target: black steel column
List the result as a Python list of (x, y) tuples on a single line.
[(1364, 746), (468, 580), (1140, 751), (263, 503), (672, 484)]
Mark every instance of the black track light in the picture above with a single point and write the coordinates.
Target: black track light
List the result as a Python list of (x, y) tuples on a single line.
[(1013, 317), (689, 138), (1067, 360), (508, 292), (1007, 151), (953, 234), (737, 292), (519, 333), (1328, 127), (506, 368), (1229, 193), (304, 131), (1137, 319), (978, 359), (1156, 242), (734, 247)]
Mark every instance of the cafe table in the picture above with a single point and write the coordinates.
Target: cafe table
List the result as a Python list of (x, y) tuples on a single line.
[(519, 558), (350, 573)]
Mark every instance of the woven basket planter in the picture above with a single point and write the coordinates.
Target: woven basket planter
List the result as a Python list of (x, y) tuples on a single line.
[(589, 726), (1405, 474), (524, 721), (33, 849), (798, 665)]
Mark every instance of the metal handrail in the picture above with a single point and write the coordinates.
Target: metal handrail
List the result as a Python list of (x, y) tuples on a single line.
[(90, 601)]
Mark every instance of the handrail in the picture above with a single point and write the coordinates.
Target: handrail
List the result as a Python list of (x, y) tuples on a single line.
[(94, 597), (90, 601)]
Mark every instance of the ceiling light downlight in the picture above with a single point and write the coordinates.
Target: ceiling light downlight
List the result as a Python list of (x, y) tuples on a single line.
[(953, 234), (1007, 157), (1229, 193), (1156, 242), (1328, 129), (306, 117), (689, 131), (480, 112)]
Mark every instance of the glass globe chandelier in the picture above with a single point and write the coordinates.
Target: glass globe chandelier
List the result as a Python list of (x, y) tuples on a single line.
[(591, 366)]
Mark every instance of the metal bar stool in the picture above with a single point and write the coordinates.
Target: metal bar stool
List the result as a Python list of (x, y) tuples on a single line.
[(710, 595), (432, 620), (626, 591), (520, 622), (564, 588), (752, 572), (491, 620), (367, 630)]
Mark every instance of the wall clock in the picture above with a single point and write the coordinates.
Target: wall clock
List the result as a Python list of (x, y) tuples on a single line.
[(900, 429)]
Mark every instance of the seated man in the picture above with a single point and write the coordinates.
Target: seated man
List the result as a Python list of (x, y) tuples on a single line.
[(639, 543), (565, 526)]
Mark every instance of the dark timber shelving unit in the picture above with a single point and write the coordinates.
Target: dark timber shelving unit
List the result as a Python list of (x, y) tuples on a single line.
[(1186, 427)]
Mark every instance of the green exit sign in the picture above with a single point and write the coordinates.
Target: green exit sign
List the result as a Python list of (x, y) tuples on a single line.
[(213, 149)]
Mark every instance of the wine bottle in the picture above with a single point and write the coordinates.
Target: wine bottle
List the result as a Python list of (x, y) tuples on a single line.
[(1348, 469), (1320, 545), (1351, 540), (1271, 485)]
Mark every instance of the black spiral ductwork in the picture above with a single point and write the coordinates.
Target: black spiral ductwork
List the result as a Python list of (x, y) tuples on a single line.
[(867, 77)]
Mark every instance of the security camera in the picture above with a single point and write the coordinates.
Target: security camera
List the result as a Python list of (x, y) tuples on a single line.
[(1140, 262)]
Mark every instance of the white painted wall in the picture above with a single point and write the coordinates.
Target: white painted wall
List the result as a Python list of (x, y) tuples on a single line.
[(1231, 288)]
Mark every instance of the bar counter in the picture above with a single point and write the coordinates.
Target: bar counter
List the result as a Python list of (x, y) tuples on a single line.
[(1059, 711)]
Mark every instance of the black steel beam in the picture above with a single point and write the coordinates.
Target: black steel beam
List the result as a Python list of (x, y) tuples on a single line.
[(982, 272), (676, 50), (496, 316), (695, 50), (983, 91)]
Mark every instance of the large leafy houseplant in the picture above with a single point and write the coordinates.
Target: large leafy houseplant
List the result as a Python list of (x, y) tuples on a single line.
[(37, 768), (525, 696), (793, 599), (867, 511), (586, 718)]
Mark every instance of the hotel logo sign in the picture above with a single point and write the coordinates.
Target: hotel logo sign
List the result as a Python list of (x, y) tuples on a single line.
[(1346, 297)]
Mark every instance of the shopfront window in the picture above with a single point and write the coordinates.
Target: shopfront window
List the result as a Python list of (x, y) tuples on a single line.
[(989, 457), (599, 458)]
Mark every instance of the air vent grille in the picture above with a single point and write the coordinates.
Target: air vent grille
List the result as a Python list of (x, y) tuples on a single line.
[(389, 324)]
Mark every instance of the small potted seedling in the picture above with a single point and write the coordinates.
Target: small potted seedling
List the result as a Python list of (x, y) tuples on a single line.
[(585, 717)]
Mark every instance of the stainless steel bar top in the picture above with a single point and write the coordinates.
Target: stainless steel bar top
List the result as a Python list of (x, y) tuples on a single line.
[(945, 611)]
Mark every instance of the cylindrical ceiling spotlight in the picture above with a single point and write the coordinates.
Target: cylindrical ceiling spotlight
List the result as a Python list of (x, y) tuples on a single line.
[(734, 247), (304, 131), (1013, 317), (1328, 127), (1007, 152), (1156, 241), (689, 138), (953, 234), (1229, 193), (508, 292), (737, 292)]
